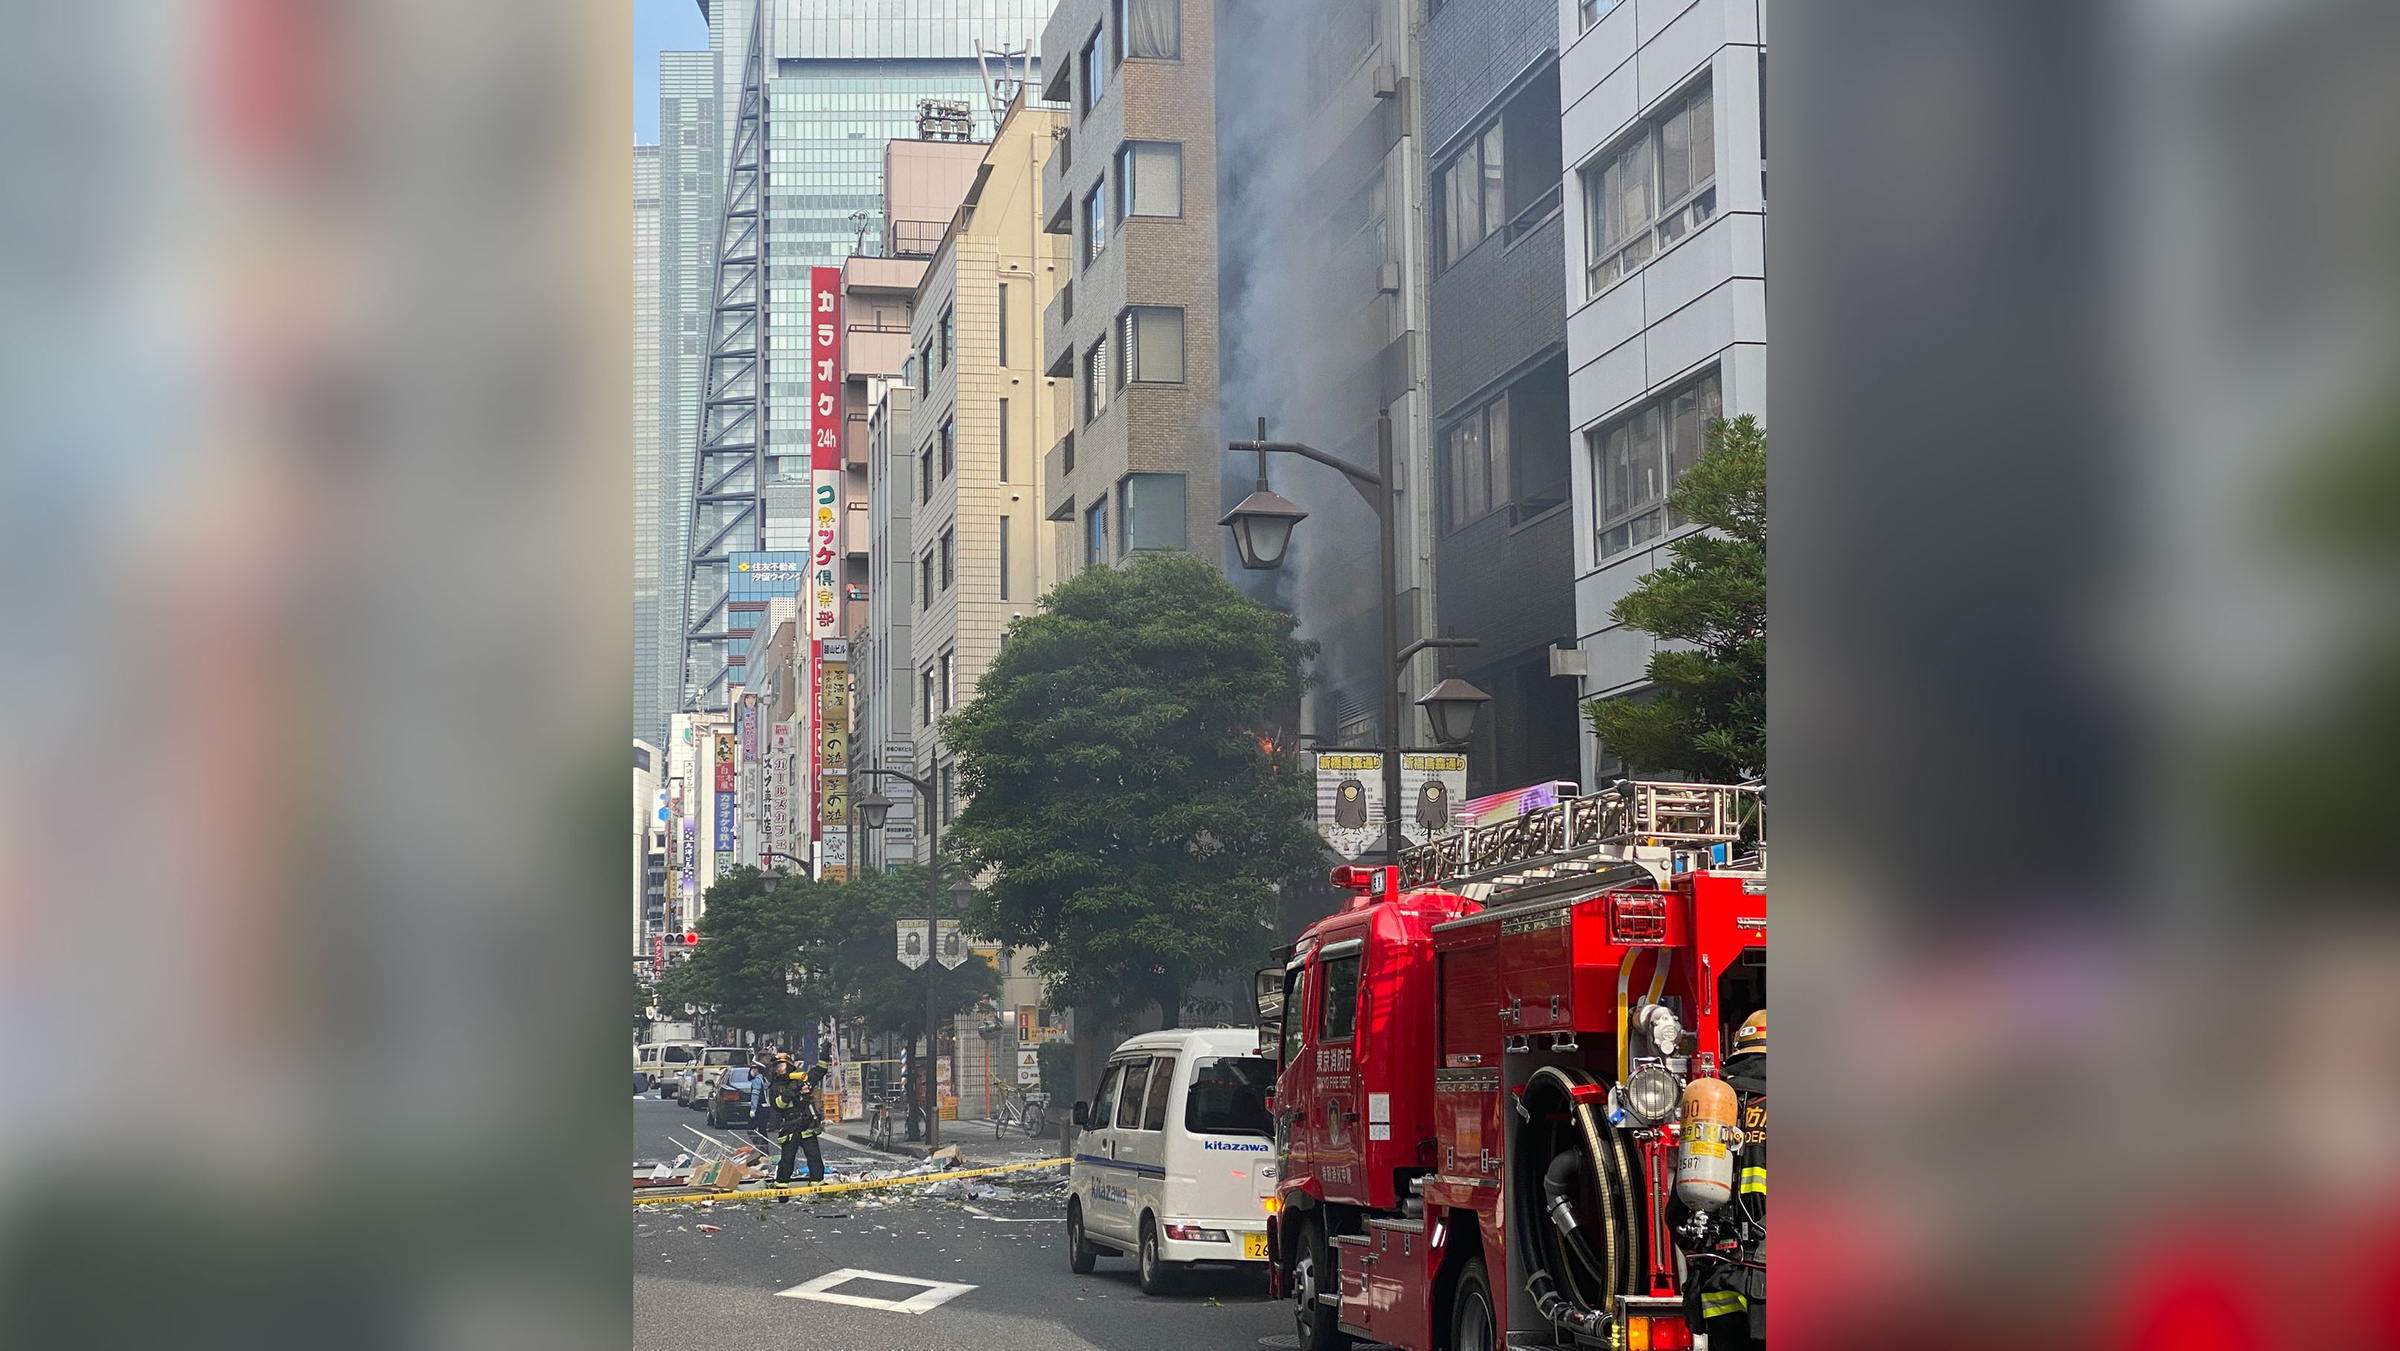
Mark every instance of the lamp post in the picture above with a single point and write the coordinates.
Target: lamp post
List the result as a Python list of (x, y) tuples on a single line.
[(1262, 531), (873, 809)]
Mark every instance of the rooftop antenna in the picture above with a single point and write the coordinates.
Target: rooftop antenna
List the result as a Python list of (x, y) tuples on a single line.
[(1000, 92), (860, 219)]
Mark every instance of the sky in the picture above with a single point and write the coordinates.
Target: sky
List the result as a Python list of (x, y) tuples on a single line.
[(659, 26)]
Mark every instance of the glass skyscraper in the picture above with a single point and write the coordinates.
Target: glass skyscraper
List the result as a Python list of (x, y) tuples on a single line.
[(691, 185), (649, 478)]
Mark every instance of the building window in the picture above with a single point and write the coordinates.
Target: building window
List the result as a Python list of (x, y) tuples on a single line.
[(1004, 323), (1475, 454), (1149, 513), (925, 581), (1638, 458), (1095, 534), (1506, 180), (925, 698), (1095, 381), (1150, 179), (949, 555), (949, 445), (1153, 342), (925, 475), (949, 333), (949, 679), (1593, 11), (1095, 223), (1093, 77), (1004, 440), (925, 369), (1651, 189), (949, 793), (1150, 29), (1004, 558)]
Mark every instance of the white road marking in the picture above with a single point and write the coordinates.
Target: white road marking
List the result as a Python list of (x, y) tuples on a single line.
[(1011, 1219), (933, 1296)]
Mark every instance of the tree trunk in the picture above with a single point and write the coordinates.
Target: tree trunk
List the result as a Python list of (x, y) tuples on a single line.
[(1170, 1007)]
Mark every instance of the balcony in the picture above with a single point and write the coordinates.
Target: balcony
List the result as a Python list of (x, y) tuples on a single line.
[(1058, 466), (1057, 352), (1058, 202)]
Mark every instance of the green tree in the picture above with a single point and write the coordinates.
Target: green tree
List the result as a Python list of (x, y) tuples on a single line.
[(777, 953), (1706, 711), (1124, 785)]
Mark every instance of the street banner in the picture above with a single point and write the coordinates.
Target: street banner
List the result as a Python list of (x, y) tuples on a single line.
[(950, 946), (749, 726), (724, 827), (1432, 787), (722, 755), (913, 947), (1350, 801)]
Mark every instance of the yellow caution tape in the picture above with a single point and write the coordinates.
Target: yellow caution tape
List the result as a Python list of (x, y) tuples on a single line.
[(829, 1188)]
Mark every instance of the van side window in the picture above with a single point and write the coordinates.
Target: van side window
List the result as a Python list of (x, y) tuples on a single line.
[(1106, 1098), (1295, 1012), (1339, 1017), (1162, 1077), (1129, 1099)]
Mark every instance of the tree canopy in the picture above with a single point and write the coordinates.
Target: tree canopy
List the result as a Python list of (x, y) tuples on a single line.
[(1706, 711), (1126, 788), (777, 953)]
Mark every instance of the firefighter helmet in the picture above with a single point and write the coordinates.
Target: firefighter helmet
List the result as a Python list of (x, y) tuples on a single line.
[(1752, 1039)]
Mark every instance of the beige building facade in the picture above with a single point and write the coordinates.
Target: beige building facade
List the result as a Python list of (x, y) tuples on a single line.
[(1135, 458), (980, 549)]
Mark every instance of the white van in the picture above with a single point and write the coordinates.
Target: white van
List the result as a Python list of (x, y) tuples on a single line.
[(1175, 1156)]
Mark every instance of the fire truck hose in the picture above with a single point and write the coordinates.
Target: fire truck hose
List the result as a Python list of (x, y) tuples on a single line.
[(1558, 1296)]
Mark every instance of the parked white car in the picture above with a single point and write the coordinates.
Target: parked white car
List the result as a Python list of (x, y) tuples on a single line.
[(1175, 1156)]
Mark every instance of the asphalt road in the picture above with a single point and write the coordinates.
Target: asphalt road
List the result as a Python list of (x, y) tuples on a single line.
[(697, 1289)]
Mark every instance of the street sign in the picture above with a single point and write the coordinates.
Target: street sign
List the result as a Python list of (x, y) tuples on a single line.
[(914, 948), (1029, 1066)]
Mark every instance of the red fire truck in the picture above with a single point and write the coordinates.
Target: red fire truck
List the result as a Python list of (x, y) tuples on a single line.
[(1498, 1116)]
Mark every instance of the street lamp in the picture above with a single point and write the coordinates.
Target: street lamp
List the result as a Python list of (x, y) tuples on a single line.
[(1452, 707), (874, 809), (1262, 534)]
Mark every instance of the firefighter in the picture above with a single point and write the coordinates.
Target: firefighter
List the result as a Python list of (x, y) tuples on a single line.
[(799, 1119), (1733, 1297)]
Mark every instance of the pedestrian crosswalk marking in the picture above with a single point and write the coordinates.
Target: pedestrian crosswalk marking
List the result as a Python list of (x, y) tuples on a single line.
[(824, 1290)]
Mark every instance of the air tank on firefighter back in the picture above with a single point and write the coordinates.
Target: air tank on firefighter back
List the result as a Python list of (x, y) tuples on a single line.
[(1704, 1160)]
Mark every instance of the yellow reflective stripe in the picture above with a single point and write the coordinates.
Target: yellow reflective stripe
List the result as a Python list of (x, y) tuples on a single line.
[(1717, 1303), (1754, 1180)]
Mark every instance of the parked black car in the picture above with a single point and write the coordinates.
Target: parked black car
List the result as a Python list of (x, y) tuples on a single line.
[(729, 1102)]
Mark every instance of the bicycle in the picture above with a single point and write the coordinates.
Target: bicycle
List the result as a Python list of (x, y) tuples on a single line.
[(879, 1120), (1022, 1110)]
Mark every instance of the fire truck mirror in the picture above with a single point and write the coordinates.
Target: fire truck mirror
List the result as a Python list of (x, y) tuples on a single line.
[(1267, 994), (1083, 1112)]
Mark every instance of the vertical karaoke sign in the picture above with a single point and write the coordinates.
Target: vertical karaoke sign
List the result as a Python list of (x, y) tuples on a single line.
[(821, 598)]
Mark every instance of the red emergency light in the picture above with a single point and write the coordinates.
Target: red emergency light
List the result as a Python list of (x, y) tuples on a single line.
[(1362, 878), (1637, 917)]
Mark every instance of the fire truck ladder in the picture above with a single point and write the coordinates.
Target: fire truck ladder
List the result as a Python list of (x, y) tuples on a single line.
[(1639, 830)]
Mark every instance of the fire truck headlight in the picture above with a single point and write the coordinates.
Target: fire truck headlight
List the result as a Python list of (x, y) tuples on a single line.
[(1650, 1095)]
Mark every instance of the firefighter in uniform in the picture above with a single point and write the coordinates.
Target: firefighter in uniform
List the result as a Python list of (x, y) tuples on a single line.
[(1733, 1298), (799, 1119)]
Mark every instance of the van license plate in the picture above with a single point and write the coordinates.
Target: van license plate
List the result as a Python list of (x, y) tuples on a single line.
[(1254, 1247)]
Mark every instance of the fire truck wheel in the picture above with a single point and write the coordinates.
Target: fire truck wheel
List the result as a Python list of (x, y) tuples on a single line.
[(1081, 1255), (1472, 1327), (1316, 1324)]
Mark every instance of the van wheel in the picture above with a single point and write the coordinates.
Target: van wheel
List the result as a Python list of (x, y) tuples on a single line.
[(1315, 1324), (1472, 1326), (1081, 1255), (1153, 1271)]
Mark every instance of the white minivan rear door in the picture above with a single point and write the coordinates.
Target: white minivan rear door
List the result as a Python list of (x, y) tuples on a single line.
[(1229, 1138)]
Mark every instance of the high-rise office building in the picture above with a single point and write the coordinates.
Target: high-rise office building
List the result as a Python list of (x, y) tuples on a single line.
[(1131, 340), (1502, 527), (1665, 250), (650, 702), (690, 174), (840, 78)]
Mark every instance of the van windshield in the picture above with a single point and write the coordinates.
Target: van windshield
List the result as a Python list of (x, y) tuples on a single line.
[(1228, 1096), (724, 1055)]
